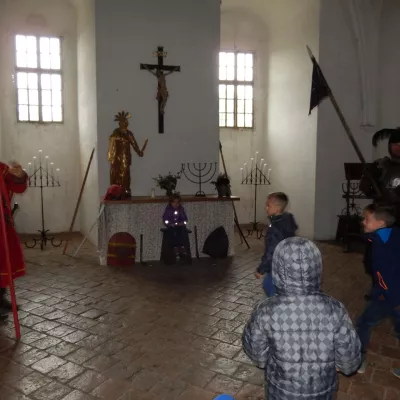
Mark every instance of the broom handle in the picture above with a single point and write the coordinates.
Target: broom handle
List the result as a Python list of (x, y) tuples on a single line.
[(90, 230), (79, 200)]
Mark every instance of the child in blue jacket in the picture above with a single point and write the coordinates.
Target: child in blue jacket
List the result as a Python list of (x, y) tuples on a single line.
[(384, 239), (282, 226)]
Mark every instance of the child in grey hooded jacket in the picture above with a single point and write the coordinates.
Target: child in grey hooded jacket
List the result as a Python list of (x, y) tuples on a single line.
[(301, 336)]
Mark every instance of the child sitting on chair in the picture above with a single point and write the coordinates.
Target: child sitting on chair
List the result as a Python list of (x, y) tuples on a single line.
[(175, 220)]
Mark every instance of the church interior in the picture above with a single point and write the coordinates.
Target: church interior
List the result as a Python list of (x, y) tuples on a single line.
[(111, 107)]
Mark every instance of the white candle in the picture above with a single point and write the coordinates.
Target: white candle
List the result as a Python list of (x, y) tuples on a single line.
[(47, 169), (40, 157), (241, 170), (269, 174), (34, 164), (58, 176), (52, 172), (255, 159), (261, 163), (29, 168), (264, 166), (252, 163)]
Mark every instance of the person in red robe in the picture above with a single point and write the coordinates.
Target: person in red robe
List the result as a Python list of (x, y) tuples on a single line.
[(13, 179)]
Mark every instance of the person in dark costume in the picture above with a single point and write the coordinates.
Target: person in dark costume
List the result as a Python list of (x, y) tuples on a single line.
[(386, 174)]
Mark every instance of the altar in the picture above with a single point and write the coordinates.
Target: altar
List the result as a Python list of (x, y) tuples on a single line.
[(141, 217)]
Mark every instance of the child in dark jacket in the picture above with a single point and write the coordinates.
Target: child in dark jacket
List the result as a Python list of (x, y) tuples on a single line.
[(367, 261), (175, 220), (282, 226), (385, 262), (301, 336)]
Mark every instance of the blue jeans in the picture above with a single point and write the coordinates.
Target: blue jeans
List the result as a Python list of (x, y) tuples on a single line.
[(268, 285), (374, 313)]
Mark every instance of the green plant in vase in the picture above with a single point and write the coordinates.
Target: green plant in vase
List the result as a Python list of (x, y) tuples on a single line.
[(168, 182)]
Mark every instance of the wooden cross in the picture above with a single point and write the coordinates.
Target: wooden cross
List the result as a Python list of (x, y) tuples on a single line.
[(158, 71)]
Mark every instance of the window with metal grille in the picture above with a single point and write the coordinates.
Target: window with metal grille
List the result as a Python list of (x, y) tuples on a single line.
[(236, 87), (38, 79)]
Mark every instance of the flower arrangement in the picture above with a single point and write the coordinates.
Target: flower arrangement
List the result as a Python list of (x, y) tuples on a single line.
[(168, 182)]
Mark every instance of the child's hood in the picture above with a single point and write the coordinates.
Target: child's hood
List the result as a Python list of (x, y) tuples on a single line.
[(297, 267), (284, 222)]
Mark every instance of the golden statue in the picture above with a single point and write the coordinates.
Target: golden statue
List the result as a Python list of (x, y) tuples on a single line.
[(119, 152)]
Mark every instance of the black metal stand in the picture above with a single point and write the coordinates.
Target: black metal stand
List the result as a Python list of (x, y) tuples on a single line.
[(44, 179), (198, 176), (349, 222), (255, 178), (196, 241), (141, 251)]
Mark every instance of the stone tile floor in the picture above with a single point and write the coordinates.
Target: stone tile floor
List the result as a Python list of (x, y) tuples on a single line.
[(157, 332)]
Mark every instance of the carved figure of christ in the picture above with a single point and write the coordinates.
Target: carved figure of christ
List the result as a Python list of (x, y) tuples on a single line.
[(160, 71)]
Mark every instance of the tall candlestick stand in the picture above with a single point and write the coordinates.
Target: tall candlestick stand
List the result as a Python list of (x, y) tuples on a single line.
[(255, 177), (40, 177)]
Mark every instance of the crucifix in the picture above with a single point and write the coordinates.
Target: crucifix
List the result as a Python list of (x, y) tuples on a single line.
[(160, 71)]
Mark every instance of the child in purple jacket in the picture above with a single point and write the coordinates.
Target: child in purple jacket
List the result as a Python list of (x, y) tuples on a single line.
[(175, 220)]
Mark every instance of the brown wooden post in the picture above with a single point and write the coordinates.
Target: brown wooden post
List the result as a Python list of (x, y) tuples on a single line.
[(79, 200)]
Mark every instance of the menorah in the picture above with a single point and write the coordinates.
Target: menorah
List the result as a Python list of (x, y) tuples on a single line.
[(199, 174), (256, 177), (40, 177)]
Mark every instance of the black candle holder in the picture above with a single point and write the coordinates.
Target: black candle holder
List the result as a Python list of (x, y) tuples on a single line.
[(255, 177), (200, 173), (41, 178)]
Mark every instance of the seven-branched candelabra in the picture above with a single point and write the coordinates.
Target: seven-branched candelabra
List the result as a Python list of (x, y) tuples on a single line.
[(257, 175), (199, 173), (39, 176)]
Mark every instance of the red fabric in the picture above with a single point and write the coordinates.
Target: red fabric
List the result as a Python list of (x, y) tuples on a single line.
[(121, 250), (9, 185), (115, 192)]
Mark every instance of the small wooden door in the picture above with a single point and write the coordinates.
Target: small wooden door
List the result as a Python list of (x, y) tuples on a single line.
[(121, 250)]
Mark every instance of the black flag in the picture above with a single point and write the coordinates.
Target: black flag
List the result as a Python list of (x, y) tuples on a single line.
[(319, 87)]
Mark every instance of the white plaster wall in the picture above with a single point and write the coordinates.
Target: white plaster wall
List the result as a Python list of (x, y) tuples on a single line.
[(87, 114), (127, 33), (243, 29), (278, 30), (389, 67), (22, 141), (339, 62), (291, 133)]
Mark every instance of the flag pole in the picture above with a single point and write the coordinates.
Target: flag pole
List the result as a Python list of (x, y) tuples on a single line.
[(235, 217), (3, 192), (346, 126), (341, 116)]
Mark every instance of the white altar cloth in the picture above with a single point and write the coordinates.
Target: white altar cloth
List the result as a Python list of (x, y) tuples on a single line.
[(143, 216)]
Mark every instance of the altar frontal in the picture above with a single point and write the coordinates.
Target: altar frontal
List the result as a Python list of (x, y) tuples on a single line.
[(140, 217)]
